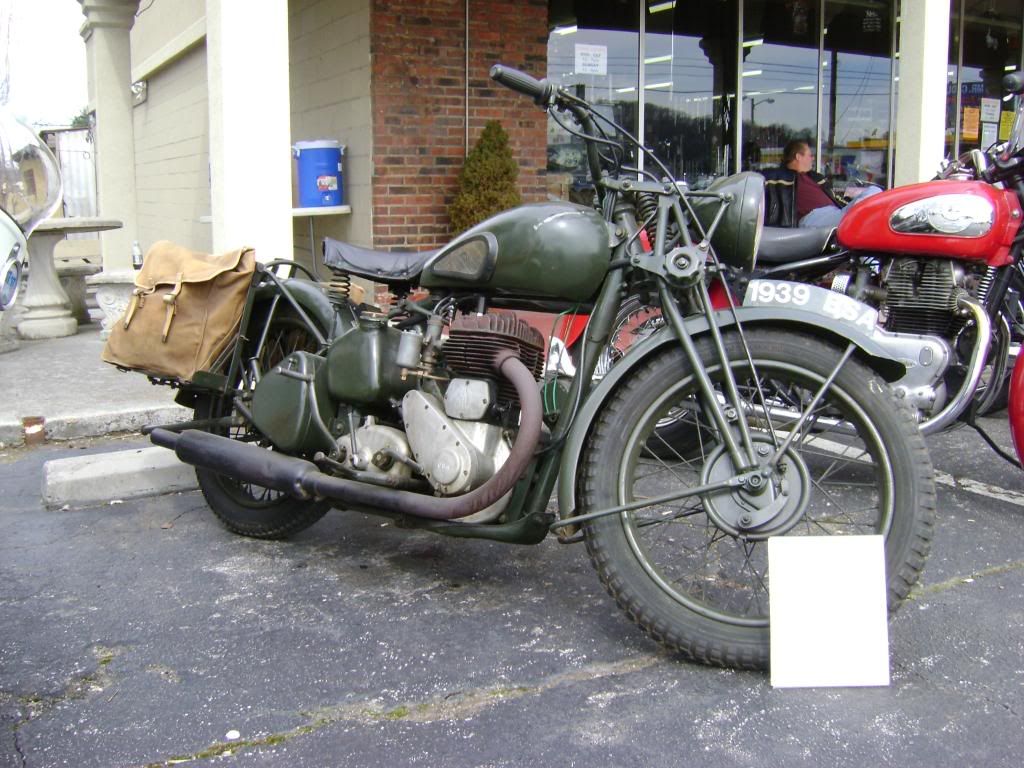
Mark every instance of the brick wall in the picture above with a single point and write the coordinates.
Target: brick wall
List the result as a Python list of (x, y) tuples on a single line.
[(418, 82)]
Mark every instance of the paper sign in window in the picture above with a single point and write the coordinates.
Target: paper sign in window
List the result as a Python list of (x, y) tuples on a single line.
[(591, 59)]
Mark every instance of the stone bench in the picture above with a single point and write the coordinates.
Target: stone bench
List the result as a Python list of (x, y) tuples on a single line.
[(72, 271)]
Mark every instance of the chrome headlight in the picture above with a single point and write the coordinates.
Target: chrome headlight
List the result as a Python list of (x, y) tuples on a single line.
[(12, 260)]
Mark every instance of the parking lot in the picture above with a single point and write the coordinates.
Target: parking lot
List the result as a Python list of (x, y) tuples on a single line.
[(141, 633)]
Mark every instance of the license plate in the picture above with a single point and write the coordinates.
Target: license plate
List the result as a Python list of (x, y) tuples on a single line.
[(810, 298)]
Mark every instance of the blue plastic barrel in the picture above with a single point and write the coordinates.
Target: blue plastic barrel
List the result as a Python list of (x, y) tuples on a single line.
[(319, 172)]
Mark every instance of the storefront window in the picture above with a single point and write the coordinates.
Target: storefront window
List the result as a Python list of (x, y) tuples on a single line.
[(857, 77), (689, 90), (713, 99), (593, 50), (990, 34), (780, 78)]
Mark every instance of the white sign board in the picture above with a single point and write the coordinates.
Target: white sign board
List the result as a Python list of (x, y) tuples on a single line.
[(989, 134), (591, 59), (828, 612), (990, 110)]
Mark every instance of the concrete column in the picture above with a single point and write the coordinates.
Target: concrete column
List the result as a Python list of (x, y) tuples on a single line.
[(921, 103), (106, 29), (250, 126)]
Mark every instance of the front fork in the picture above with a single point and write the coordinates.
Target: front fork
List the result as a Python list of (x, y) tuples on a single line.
[(740, 451)]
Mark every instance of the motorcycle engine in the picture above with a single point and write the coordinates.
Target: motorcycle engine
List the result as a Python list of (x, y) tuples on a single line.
[(460, 441), (921, 296), (457, 413)]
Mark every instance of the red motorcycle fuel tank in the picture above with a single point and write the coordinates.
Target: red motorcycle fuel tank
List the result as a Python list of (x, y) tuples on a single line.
[(953, 219)]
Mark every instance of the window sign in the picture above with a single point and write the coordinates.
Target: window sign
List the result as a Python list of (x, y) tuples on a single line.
[(969, 124), (990, 110), (988, 134), (591, 59), (1006, 124)]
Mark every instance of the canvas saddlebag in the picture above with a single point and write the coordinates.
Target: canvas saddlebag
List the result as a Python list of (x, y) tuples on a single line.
[(183, 312)]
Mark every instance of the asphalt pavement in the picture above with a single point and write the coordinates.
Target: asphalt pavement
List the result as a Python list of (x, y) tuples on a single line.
[(141, 633)]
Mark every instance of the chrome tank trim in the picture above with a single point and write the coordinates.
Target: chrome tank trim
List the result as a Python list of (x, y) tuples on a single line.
[(945, 215)]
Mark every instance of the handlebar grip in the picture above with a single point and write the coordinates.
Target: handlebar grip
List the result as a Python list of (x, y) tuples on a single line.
[(1014, 82), (538, 90)]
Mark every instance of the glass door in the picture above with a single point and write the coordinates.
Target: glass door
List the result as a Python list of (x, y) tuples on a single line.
[(689, 91), (857, 78), (989, 32), (780, 78), (593, 50)]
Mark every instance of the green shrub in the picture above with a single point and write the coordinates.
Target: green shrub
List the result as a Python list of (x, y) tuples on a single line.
[(487, 182)]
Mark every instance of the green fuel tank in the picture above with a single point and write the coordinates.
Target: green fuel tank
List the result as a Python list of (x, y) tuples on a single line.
[(545, 250)]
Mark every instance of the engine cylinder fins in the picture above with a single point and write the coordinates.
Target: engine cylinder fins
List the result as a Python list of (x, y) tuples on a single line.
[(985, 283), (473, 340), (921, 297)]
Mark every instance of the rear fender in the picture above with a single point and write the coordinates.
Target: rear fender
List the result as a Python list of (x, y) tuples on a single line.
[(314, 303), (838, 331)]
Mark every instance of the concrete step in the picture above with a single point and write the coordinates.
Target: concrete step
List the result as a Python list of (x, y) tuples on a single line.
[(100, 478), (106, 420)]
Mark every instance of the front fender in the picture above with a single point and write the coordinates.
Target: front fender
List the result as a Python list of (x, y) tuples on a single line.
[(842, 332)]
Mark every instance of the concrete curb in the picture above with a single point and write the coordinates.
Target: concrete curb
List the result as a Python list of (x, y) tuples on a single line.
[(97, 424), (103, 477)]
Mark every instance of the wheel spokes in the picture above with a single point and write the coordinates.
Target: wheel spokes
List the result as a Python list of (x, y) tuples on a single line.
[(703, 564)]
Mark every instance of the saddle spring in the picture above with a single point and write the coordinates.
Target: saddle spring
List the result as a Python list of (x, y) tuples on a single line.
[(339, 286)]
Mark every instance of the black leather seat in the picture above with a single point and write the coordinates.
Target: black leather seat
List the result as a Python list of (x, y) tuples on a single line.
[(782, 244), (381, 266)]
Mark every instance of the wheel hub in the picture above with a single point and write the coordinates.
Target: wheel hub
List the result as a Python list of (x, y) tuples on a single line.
[(770, 501)]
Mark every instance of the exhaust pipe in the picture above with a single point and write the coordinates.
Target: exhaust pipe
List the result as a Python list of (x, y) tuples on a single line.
[(960, 400), (304, 480)]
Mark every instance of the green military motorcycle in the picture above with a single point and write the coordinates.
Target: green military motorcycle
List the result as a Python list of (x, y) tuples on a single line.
[(440, 415)]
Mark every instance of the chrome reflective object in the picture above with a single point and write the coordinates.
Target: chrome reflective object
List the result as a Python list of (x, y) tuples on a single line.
[(30, 191), (11, 265), (950, 215)]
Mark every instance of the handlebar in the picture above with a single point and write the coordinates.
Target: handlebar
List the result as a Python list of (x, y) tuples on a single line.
[(540, 91)]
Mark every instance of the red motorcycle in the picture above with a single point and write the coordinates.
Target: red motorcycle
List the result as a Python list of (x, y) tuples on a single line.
[(932, 271)]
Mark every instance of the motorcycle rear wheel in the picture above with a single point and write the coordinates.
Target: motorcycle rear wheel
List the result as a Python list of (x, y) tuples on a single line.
[(861, 467), (246, 508)]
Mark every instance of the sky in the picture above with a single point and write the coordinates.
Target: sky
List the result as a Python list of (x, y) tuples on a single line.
[(46, 58)]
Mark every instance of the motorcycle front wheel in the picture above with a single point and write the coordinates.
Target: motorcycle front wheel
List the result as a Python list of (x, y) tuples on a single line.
[(243, 507), (685, 571)]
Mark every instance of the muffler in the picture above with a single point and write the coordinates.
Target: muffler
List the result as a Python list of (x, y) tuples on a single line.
[(302, 479), (233, 458)]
